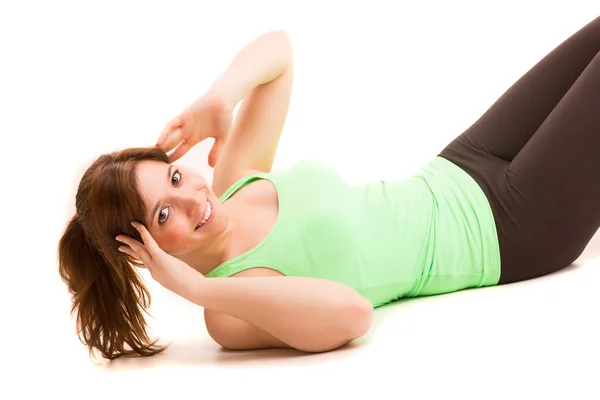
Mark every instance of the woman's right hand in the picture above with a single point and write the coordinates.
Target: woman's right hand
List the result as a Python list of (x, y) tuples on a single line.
[(209, 116), (172, 273)]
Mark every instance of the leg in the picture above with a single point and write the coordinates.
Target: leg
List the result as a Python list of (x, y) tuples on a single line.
[(551, 189), (509, 123)]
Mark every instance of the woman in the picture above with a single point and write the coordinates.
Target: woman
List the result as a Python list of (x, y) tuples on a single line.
[(514, 197)]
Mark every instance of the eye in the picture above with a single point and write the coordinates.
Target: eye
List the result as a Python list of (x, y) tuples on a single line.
[(175, 180), (176, 173), (162, 212)]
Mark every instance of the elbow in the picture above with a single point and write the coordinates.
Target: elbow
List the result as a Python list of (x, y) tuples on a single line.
[(354, 321), (283, 38), (361, 317), (283, 44)]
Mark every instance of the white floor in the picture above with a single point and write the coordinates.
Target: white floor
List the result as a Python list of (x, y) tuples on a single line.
[(528, 340), (378, 91)]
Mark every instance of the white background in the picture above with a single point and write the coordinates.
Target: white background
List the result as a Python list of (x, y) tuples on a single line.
[(380, 88)]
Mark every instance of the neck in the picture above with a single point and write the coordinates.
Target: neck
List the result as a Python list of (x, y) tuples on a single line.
[(207, 258)]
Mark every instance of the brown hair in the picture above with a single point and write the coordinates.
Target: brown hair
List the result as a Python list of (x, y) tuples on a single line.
[(107, 292)]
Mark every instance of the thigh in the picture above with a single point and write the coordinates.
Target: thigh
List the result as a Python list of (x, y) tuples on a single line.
[(523, 242), (554, 181), (505, 128)]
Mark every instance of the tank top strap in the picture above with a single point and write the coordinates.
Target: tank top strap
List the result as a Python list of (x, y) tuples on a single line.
[(231, 267), (243, 261), (240, 183)]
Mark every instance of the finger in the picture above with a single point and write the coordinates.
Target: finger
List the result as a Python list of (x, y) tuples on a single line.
[(172, 124), (172, 140), (149, 242), (133, 247), (183, 148), (127, 250)]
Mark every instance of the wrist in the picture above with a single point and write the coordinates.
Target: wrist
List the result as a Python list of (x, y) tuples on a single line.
[(228, 92), (193, 287)]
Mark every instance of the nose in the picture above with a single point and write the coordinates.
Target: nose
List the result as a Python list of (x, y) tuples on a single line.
[(190, 202)]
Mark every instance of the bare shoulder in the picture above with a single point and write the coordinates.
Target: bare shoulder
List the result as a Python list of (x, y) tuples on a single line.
[(221, 184), (253, 190), (257, 204)]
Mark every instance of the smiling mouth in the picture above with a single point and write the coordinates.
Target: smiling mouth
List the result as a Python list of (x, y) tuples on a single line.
[(208, 215)]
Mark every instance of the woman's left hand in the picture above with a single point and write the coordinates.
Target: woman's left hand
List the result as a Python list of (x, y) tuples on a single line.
[(172, 273), (210, 116)]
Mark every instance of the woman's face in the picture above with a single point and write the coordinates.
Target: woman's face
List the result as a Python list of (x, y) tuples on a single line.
[(178, 200)]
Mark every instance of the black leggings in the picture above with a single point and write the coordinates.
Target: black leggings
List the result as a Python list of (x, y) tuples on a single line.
[(536, 155)]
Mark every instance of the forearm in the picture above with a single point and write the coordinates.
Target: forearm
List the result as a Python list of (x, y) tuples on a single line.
[(298, 311), (259, 62)]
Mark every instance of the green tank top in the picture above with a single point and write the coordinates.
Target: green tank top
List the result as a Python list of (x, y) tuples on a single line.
[(430, 233)]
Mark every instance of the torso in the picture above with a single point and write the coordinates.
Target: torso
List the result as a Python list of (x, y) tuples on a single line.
[(256, 208)]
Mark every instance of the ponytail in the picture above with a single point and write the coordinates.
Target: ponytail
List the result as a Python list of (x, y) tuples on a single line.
[(108, 296)]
